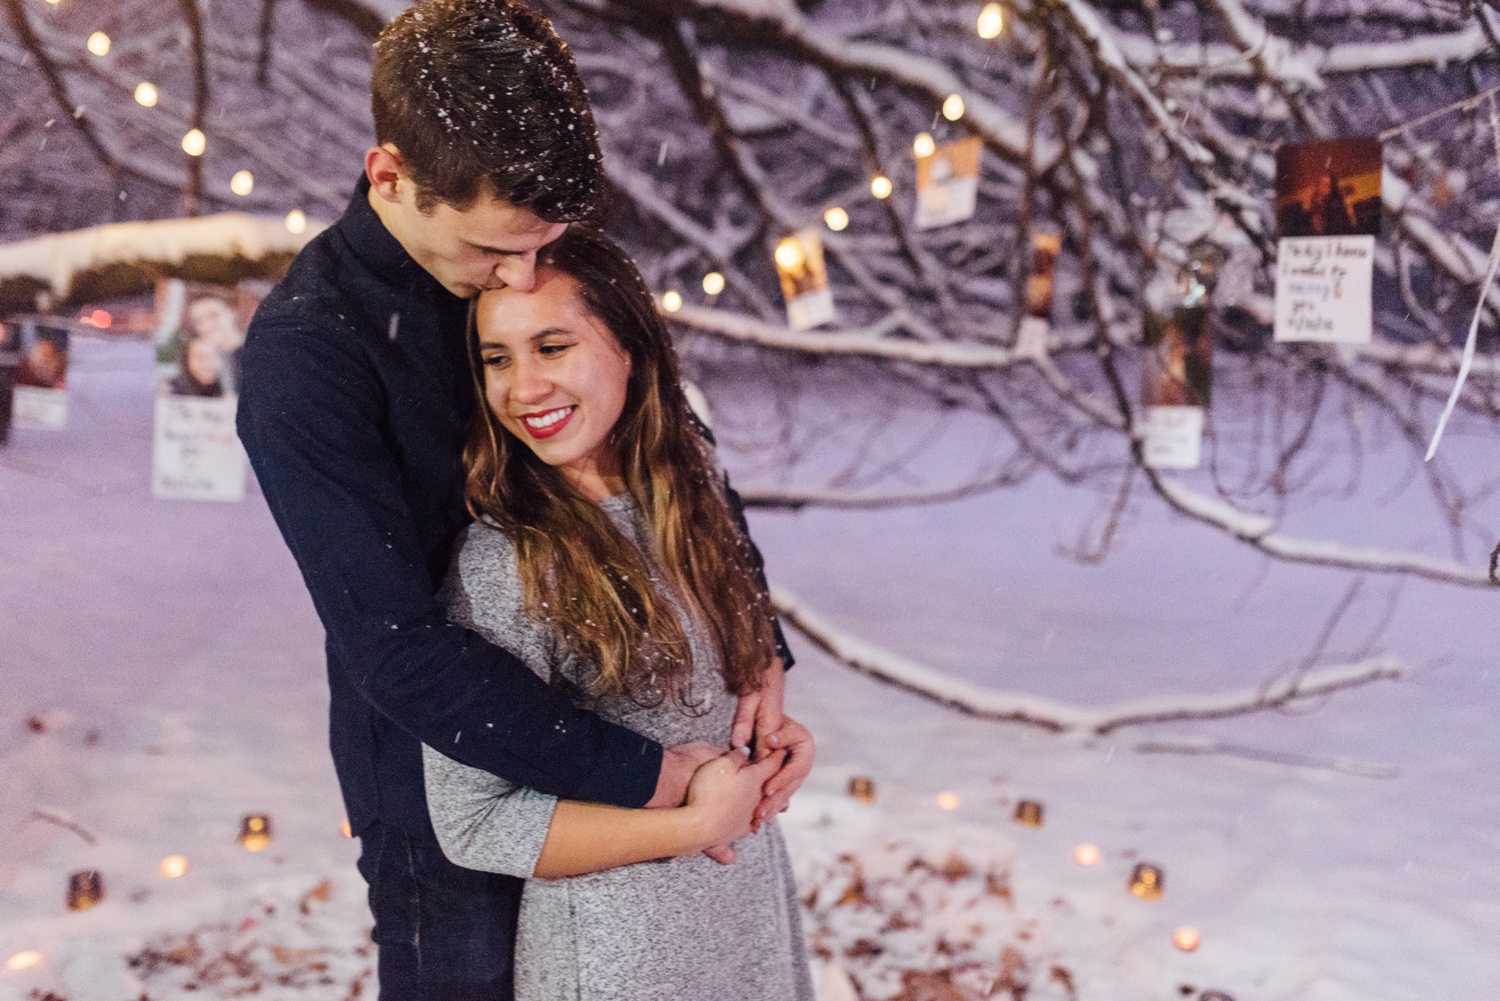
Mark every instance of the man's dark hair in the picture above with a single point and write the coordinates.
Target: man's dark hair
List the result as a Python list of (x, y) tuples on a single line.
[(482, 97)]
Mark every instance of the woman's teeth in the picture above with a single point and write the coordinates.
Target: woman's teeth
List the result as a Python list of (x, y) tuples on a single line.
[(548, 419)]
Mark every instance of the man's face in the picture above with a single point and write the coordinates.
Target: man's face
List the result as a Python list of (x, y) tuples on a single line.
[(490, 245), (214, 320)]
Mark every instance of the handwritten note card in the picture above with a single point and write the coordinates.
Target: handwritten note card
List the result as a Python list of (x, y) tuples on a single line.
[(197, 455), (1323, 286)]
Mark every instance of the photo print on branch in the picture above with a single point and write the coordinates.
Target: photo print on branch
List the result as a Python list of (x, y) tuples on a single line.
[(1329, 188), (10, 359), (40, 399), (1328, 210), (200, 331), (1176, 385), (804, 280), (948, 183), (1036, 321)]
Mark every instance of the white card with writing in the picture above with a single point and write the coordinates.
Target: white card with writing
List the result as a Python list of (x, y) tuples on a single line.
[(197, 455), (1323, 289), (1172, 437), (40, 409)]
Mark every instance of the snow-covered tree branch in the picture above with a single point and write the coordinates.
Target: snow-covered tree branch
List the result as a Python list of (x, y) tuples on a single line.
[(1062, 718)]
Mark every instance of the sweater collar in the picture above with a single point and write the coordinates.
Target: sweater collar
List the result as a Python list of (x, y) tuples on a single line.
[(382, 254)]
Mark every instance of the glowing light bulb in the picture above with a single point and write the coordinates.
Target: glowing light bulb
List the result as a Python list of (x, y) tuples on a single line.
[(947, 801), (713, 283), (23, 960), (789, 254), (953, 108), (194, 143), (146, 95), (98, 43), (923, 146), (880, 186), (100, 318), (296, 222), (837, 219), (242, 183), (1087, 855), (173, 866), (991, 21), (1186, 939), (671, 301)]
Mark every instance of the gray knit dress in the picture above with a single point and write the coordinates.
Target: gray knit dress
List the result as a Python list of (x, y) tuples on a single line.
[(682, 929)]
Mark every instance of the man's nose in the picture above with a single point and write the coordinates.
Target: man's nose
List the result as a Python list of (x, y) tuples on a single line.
[(517, 272)]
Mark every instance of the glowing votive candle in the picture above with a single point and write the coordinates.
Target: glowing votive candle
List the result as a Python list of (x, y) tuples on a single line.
[(1147, 881)]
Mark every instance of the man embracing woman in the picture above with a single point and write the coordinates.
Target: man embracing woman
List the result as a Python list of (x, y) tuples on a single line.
[(556, 679)]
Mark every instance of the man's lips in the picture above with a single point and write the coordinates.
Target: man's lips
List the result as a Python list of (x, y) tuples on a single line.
[(547, 423)]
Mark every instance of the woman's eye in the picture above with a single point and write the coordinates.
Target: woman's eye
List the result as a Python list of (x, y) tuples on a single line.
[(496, 361), (553, 349)]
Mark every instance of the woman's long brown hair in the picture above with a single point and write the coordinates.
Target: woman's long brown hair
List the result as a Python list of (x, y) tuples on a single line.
[(613, 604)]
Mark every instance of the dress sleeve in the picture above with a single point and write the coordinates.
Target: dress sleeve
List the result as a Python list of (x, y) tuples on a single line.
[(484, 822)]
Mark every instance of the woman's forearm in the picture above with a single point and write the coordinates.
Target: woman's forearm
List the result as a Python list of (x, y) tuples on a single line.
[(588, 837)]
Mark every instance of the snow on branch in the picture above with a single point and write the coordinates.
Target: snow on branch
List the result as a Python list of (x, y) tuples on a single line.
[(899, 64), (56, 260), (864, 343), (1060, 717), (1260, 531)]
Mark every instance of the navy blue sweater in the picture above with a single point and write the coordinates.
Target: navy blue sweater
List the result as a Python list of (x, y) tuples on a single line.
[(354, 405)]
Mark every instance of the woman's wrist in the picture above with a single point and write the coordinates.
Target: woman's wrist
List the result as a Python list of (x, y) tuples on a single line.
[(695, 827)]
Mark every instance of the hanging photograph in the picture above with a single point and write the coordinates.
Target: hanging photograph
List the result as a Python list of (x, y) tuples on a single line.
[(199, 334), (10, 359), (804, 280), (1328, 210), (40, 399), (948, 183), (1036, 323), (1176, 384), (1329, 188), (200, 331)]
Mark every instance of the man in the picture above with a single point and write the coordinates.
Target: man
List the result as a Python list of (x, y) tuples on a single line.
[(355, 401)]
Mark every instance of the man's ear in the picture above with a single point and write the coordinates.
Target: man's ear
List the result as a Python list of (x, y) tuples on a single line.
[(385, 168)]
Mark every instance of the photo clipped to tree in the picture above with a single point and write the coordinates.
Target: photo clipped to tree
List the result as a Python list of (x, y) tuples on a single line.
[(199, 335), (1176, 380), (1036, 321), (804, 280), (1328, 211), (948, 183), (41, 377)]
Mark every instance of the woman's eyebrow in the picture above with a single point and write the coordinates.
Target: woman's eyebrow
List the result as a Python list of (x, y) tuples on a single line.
[(550, 331)]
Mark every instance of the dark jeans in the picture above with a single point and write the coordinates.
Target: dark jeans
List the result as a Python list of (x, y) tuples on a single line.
[(444, 933)]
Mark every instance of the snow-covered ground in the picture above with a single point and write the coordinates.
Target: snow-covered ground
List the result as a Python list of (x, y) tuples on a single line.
[(161, 675)]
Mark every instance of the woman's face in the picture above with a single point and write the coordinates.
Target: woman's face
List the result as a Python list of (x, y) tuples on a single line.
[(555, 377), (203, 362)]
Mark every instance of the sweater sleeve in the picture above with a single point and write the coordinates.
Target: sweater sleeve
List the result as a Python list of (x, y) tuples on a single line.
[(311, 418), (482, 821)]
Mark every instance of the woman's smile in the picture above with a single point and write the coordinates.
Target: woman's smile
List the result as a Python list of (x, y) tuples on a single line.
[(546, 423)]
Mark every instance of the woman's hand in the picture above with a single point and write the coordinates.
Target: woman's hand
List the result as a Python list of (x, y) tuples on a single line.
[(723, 796), (797, 741), (758, 716)]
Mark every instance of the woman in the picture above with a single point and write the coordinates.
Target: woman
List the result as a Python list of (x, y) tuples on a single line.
[(200, 370), (606, 557)]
